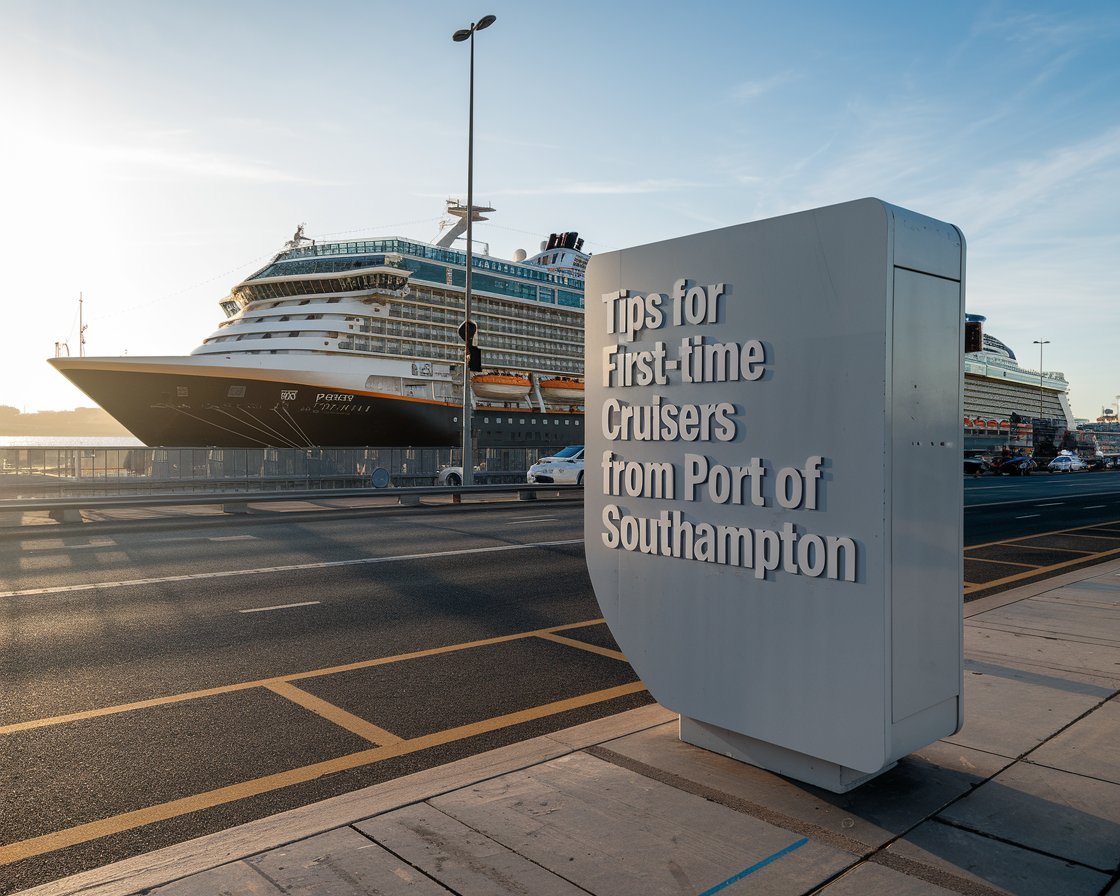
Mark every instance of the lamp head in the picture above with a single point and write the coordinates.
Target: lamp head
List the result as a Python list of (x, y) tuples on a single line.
[(485, 22), (462, 34)]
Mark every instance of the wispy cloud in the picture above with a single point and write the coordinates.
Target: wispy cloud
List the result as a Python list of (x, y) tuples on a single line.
[(604, 188), (1032, 188), (745, 91), (135, 160)]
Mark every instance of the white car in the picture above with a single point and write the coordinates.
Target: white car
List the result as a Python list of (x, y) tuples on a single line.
[(1066, 463), (564, 467)]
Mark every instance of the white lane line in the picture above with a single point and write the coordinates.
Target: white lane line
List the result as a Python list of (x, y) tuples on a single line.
[(1054, 504), (538, 519), (1094, 507), (306, 603), (1027, 516), (101, 545), (364, 561), (232, 538)]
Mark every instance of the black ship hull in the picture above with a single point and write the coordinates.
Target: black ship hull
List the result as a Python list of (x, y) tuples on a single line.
[(181, 409)]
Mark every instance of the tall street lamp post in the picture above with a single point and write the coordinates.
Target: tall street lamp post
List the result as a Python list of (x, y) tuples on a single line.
[(1040, 343), (468, 330)]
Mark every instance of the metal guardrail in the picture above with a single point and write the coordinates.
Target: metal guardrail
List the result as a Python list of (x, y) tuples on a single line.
[(53, 471), (69, 509)]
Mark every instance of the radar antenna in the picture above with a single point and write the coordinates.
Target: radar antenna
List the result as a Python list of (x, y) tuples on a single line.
[(458, 210), (298, 238)]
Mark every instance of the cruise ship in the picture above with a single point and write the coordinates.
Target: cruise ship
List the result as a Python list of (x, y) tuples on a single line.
[(357, 344), (1004, 403)]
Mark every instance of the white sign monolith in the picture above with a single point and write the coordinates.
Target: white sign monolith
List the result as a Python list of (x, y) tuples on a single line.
[(773, 514)]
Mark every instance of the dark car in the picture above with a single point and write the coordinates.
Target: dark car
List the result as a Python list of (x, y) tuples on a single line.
[(974, 466), (1018, 466)]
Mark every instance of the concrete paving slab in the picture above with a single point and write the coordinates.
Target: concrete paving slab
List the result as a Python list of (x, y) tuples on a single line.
[(1091, 746), (1001, 866), (858, 821), (1010, 717), (1096, 593), (462, 859), (1096, 664), (235, 879), (1053, 617), (341, 863), (611, 831), (868, 877), (1048, 810)]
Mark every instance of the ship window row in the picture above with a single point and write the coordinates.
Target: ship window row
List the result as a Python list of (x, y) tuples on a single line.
[(323, 266), (442, 308), (491, 358), (488, 326), (492, 331), (546, 345), (255, 292), (425, 345), (1002, 399), (422, 250)]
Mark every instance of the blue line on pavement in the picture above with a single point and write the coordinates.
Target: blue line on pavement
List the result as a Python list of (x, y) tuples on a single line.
[(756, 866)]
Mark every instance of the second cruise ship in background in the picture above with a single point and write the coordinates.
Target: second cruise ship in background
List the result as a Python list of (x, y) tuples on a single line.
[(1006, 405), (357, 344)]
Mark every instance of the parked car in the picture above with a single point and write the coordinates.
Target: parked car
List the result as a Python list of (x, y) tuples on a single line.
[(1018, 466), (1066, 463), (566, 466), (974, 466), (453, 476)]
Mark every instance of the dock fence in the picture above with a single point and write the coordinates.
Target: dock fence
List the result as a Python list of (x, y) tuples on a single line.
[(49, 471)]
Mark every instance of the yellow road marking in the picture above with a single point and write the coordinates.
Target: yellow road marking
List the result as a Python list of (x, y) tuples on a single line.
[(333, 713), (1041, 570), (126, 821), (1031, 547), (295, 676), (1000, 562), (1078, 531), (583, 645), (1044, 534)]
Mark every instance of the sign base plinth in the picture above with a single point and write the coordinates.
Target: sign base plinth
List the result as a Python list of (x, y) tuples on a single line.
[(772, 758)]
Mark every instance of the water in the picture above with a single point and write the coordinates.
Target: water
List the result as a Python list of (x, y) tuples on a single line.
[(69, 442)]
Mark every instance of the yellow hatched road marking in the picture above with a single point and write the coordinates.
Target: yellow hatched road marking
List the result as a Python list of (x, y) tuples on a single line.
[(1000, 562), (583, 645), (1042, 570), (1033, 547), (126, 821), (295, 676), (1079, 531), (332, 713)]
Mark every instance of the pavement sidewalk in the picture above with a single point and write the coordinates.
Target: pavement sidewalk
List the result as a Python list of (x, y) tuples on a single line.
[(1024, 800)]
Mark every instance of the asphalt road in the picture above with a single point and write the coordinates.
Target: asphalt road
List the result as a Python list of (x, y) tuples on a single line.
[(159, 685), (1001, 507)]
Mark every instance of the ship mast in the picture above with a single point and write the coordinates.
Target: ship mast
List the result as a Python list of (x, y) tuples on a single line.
[(81, 328)]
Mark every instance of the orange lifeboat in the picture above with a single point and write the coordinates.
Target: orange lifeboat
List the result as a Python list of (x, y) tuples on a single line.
[(500, 386), (560, 390)]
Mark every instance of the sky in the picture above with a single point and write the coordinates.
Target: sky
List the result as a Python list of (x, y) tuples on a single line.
[(154, 153)]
